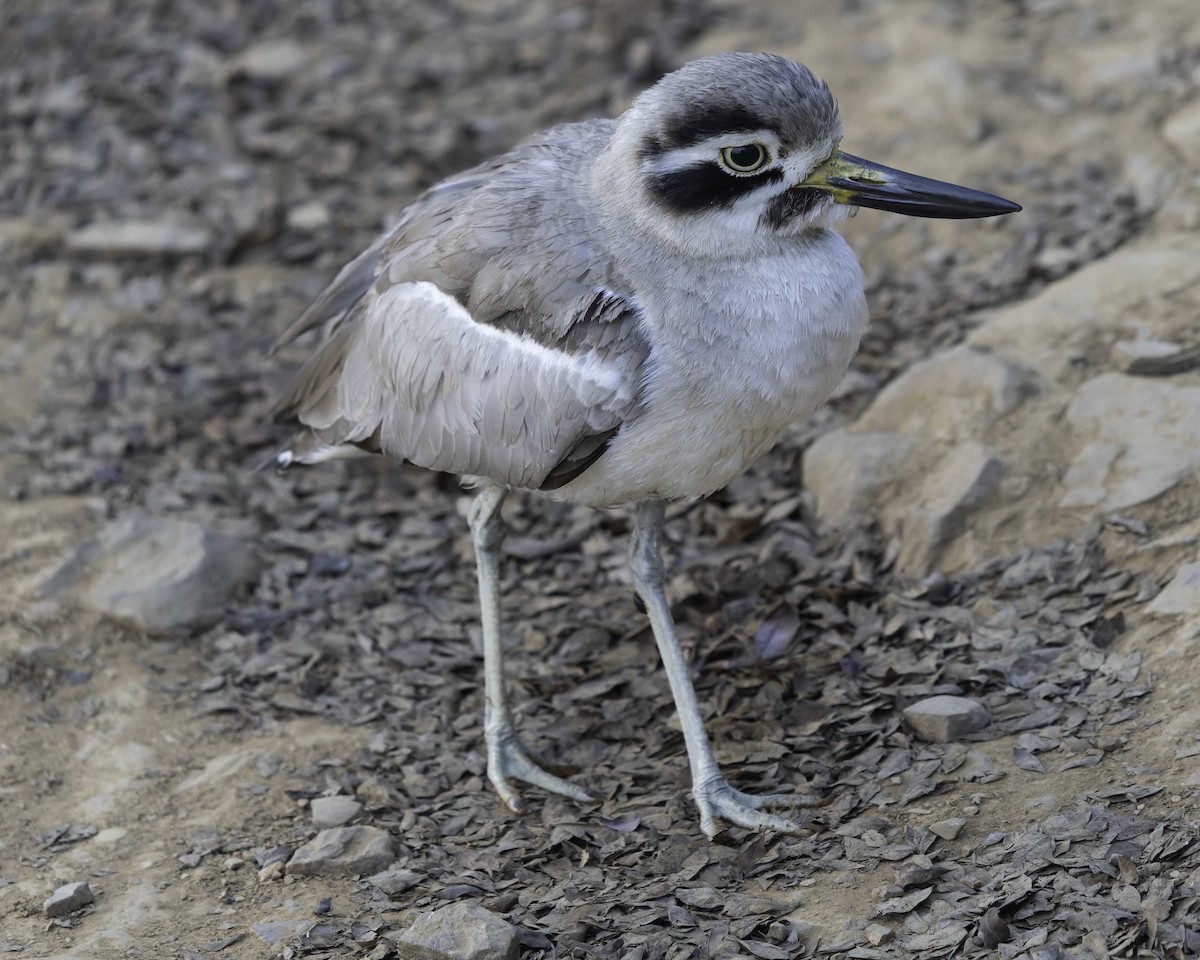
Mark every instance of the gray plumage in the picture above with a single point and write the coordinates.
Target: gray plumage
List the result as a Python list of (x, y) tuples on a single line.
[(623, 311)]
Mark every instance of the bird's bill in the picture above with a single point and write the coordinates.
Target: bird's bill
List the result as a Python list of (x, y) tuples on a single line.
[(853, 180)]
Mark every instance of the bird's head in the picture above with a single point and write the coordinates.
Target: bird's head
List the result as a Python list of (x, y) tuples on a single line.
[(734, 151)]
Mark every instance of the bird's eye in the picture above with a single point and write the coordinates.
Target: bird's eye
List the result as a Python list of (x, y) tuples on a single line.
[(745, 159)]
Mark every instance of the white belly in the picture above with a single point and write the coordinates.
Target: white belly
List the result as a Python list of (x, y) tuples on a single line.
[(736, 359)]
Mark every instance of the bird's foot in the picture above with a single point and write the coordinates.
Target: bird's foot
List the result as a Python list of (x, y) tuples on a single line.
[(717, 800), (509, 759)]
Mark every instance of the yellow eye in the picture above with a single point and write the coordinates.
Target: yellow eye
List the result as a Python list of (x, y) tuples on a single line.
[(746, 158)]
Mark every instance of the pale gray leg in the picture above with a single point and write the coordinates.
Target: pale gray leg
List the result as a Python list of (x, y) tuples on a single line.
[(715, 798), (507, 756)]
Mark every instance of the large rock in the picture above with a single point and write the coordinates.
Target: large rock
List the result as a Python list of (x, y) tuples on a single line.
[(951, 397), (913, 458), (943, 504), (462, 931), (1026, 433), (159, 573), (1141, 437), (344, 852), (1181, 596)]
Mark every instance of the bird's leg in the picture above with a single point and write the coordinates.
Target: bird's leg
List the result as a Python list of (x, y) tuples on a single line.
[(714, 796), (508, 758)]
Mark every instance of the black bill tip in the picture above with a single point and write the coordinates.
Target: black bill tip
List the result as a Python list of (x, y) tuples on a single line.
[(863, 183)]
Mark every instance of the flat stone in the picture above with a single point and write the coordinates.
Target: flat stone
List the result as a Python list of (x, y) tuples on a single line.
[(344, 852), (334, 811), (948, 829), (1181, 596), (159, 573), (461, 931), (139, 238), (68, 898), (944, 718), (272, 932), (1127, 353)]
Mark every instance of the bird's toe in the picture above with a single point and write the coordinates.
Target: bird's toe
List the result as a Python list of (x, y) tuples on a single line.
[(718, 801)]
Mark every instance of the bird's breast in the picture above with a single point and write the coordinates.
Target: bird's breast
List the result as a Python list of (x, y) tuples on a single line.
[(740, 350)]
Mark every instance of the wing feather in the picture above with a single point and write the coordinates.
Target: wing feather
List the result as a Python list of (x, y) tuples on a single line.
[(415, 370)]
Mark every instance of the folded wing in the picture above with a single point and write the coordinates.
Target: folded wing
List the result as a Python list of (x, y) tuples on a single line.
[(413, 376)]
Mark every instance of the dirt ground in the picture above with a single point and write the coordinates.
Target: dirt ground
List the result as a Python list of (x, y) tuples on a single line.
[(255, 148)]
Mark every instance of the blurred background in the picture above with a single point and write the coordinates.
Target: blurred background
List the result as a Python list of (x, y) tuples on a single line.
[(191, 652)]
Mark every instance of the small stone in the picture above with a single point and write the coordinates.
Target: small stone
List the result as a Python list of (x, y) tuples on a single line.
[(234, 863), (309, 216), (462, 931), (344, 852), (948, 829), (334, 811), (944, 718), (159, 573), (68, 898)]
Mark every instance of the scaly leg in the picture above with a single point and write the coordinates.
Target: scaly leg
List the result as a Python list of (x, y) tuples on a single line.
[(508, 758), (714, 796)]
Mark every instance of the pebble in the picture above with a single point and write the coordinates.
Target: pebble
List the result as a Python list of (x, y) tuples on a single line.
[(334, 811), (344, 852), (948, 829), (68, 898), (158, 573), (944, 718), (878, 934), (461, 931), (271, 60)]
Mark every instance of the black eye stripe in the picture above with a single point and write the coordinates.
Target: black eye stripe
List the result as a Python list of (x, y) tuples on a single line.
[(705, 186)]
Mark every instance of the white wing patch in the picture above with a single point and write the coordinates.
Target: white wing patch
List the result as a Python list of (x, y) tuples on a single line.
[(436, 388)]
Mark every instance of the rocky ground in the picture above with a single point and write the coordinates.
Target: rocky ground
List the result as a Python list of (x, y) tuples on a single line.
[(240, 713)]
